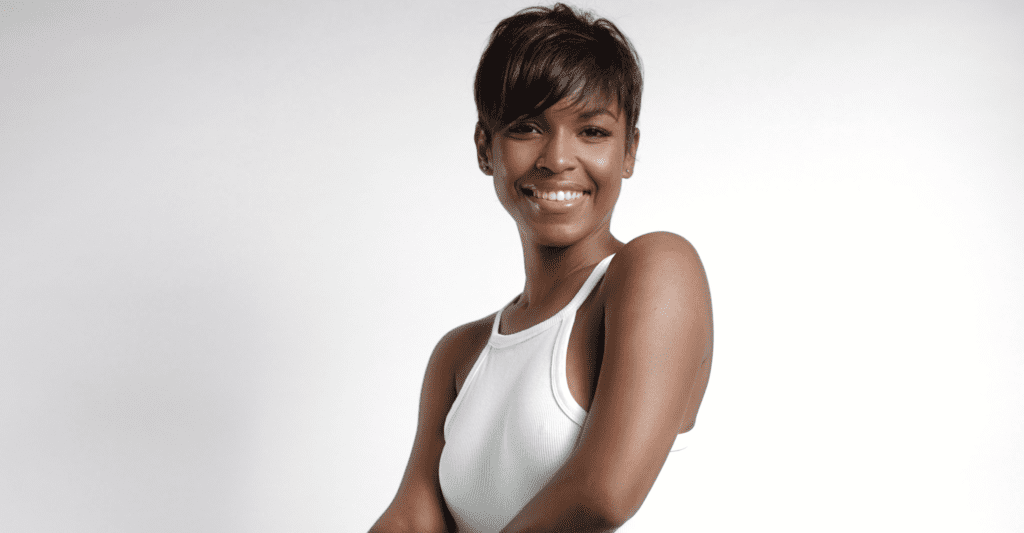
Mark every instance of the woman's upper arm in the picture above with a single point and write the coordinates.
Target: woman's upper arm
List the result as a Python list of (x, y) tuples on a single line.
[(658, 336), (419, 506)]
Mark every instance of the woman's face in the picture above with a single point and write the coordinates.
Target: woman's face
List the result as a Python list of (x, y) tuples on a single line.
[(559, 174)]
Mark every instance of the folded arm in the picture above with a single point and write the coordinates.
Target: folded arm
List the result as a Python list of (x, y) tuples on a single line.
[(658, 337)]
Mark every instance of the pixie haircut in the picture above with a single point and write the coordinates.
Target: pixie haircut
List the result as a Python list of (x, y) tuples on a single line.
[(542, 55)]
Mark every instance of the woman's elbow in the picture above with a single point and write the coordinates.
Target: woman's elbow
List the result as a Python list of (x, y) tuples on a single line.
[(611, 504)]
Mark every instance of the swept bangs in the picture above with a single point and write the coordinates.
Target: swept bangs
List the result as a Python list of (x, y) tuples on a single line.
[(541, 56)]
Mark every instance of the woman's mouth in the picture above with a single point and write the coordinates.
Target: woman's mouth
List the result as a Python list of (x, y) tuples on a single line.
[(555, 196)]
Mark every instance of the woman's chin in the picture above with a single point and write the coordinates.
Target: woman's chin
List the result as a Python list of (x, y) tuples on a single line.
[(556, 236)]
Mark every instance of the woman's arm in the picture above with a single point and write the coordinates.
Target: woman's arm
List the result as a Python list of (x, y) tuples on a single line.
[(658, 336), (419, 506)]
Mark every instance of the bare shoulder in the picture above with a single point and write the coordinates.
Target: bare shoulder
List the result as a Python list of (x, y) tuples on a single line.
[(657, 260), (658, 315), (458, 349), (466, 335)]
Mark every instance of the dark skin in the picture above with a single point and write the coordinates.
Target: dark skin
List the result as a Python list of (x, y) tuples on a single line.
[(640, 350)]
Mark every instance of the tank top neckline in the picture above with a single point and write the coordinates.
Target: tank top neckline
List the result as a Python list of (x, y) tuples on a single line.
[(574, 304)]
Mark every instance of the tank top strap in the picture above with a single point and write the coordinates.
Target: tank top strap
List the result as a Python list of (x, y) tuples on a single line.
[(588, 286), (496, 324), (574, 304)]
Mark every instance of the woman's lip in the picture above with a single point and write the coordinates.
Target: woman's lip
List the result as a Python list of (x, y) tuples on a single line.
[(554, 186), (568, 195), (555, 206)]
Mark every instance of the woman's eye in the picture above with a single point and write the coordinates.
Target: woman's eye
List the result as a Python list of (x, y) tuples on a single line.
[(594, 132), (522, 128)]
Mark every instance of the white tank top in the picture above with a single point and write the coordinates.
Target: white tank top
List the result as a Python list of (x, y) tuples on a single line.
[(515, 423)]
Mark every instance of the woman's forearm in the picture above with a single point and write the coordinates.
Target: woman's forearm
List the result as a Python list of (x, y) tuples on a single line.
[(415, 522), (569, 503)]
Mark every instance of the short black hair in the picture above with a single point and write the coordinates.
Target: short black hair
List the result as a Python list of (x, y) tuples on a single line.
[(542, 55)]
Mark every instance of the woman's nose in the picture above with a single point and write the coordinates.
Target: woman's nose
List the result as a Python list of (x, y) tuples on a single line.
[(557, 155)]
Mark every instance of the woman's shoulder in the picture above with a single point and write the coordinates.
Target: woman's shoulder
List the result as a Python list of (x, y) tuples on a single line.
[(468, 334), (656, 258), (664, 241), (458, 349)]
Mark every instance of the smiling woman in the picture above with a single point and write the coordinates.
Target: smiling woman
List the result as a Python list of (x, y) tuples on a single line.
[(559, 173), (562, 410)]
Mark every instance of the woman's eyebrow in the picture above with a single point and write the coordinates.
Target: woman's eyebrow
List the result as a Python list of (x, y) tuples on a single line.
[(590, 113)]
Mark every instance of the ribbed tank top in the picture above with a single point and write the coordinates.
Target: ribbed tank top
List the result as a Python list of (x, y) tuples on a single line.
[(515, 423)]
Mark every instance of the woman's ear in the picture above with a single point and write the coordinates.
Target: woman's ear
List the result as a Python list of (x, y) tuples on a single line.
[(483, 150), (627, 169)]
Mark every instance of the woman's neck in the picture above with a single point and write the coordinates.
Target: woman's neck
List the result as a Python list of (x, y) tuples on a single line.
[(549, 268)]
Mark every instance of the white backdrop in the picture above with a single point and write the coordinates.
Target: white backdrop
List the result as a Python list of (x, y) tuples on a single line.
[(230, 235)]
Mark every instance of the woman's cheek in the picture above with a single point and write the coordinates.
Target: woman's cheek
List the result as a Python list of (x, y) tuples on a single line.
[(601, 167)]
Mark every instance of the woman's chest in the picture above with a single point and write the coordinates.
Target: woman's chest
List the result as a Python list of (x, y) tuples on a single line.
[(576, 353)]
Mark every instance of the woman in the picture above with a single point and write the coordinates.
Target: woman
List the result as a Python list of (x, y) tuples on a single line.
[(558, 412)]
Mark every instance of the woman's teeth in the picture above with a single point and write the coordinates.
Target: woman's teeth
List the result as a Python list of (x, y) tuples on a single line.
[(558, 196)]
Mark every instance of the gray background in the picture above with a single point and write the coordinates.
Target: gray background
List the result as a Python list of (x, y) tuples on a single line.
[(230, 235)]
